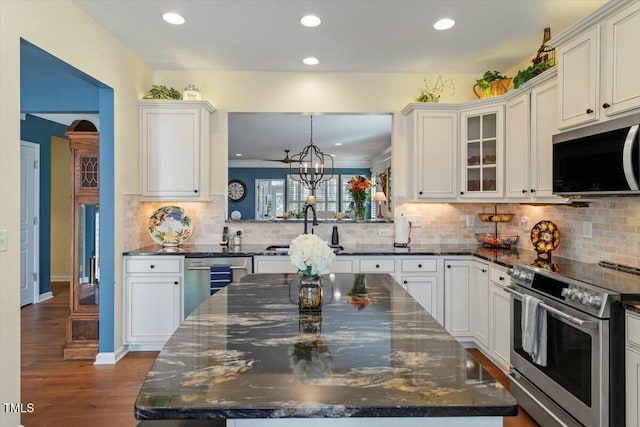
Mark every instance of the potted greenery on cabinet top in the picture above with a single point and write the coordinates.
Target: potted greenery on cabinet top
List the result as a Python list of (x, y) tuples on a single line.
[(492, 83)]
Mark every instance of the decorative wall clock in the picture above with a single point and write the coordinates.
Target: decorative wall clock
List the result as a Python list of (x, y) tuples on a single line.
[(237, 190)]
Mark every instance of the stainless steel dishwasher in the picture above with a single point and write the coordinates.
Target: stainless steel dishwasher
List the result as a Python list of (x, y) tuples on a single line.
[(197, 277)]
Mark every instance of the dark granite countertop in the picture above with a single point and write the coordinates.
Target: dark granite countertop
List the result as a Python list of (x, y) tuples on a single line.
[(247, 353), (631, 304), (503, 257)]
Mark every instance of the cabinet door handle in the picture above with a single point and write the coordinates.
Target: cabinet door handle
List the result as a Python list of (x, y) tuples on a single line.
[(524, 191), (501, 278), (195, 191), (405, 282), (462, 192), (420, 192), (448, 266), (377, 265), (152, 266), (484, 271), (589, 111), (419, 265), (176, 283), (606, 105), (533, 190)]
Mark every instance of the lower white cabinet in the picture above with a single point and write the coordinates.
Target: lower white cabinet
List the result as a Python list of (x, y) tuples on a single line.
[(152, 300), (282, 264), (458, 299), (480, 283), (499, 312), (632, 374), (425, 290)]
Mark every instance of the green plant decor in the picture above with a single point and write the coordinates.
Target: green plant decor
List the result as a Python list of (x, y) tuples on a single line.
[(162, 92), (530, 72), (432, 94), (489, 76)]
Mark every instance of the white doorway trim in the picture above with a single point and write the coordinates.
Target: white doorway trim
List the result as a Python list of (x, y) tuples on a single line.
[(32, 194)]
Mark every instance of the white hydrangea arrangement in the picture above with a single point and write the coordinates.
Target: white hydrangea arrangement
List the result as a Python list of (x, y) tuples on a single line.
[(311, 255)]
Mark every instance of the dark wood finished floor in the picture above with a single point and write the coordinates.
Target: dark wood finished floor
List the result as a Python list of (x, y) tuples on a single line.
[(80, 394)]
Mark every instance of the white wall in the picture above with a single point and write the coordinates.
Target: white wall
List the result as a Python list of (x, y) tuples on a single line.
[(62, 29)]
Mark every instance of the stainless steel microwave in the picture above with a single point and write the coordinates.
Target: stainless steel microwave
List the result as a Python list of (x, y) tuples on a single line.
[(598, 160)]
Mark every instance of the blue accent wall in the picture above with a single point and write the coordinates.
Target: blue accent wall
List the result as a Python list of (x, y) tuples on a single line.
[(50, 85), (247, 206), (39, 131)]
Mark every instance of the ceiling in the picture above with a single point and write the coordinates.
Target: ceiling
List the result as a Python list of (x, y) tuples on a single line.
[(355, 35), (262, 136)]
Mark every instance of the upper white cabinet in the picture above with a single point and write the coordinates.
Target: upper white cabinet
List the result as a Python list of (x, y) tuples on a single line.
[(482, 151), (175, 149), (433, 143), (598, 68), (622, 61), (530, 124)]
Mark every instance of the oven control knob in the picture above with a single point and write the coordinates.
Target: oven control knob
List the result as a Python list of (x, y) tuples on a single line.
[(595, 301), (584, 299), (566, 292)]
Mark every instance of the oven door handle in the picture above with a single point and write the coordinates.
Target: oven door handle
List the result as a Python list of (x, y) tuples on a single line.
[(587, 324)]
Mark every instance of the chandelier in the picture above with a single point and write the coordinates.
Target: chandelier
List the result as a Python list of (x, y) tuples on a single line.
[(313, 166)]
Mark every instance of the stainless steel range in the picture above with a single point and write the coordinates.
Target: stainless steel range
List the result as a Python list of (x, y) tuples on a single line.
[(582, 381)]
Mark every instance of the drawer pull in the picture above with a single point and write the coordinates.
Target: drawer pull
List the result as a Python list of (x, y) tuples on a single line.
[(589, 111), (405, 282), (501, 278), (152, 266), (484, 271), (377, 265), (524, 191), (606, 105)]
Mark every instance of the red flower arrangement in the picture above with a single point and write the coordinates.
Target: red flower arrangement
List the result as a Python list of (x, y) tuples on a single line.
[(359, 187)]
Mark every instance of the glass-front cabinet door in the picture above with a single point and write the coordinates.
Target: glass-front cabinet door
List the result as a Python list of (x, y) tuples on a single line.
[(482, 153)]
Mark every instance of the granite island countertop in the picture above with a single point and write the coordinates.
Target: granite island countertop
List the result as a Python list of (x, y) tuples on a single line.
[(247, 353)]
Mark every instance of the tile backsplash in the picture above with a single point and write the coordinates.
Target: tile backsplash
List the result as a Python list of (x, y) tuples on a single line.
[(614, 225)]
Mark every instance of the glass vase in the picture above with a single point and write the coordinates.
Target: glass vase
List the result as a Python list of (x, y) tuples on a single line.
[(360, 210), (310, 294)]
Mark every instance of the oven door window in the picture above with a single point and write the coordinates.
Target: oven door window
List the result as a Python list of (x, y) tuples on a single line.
[(568, 354)]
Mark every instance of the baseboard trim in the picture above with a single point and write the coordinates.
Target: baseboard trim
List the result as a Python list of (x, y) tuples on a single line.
[(45, 296), (59, 278), (111, 358)]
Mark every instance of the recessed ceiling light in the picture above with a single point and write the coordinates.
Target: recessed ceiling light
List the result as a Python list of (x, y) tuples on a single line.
[(338, 143), (310, 21), (173, 18), (444, 24), (238, 154), (311, 60)]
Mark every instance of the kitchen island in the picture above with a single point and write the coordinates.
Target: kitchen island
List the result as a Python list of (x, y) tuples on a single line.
[(246, 355)]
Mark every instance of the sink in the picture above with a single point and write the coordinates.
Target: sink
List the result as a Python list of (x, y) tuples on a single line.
[(283, 249)]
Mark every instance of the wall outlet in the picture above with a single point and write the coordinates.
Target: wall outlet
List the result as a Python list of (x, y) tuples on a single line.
[(470, 220), (524, 223), (587, 230), (3, 240)]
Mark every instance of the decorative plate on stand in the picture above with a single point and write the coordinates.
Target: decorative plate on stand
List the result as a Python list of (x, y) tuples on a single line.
[(169, 226), (545, 236)]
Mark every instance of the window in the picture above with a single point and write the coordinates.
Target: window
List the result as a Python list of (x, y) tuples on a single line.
[(326, 195)]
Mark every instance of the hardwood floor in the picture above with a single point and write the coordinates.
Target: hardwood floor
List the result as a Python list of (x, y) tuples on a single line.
[(80, 394)]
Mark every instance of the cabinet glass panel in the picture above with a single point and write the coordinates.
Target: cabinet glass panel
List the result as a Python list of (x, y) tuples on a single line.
[(473, 154), (489, 126), (489, 179), (473, 128), (489, 152), (473, 179)]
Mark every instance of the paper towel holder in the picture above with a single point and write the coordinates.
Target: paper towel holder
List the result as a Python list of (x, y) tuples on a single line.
[(404, 245)]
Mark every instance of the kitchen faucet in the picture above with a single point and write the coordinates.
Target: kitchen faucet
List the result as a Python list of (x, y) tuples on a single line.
[(315, 218)]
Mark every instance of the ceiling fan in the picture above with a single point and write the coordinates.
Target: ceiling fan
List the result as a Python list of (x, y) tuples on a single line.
[(286, 160)]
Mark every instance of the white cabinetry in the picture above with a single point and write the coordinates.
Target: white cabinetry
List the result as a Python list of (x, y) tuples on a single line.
[(175, 149), (152, 300), (422, 278), (282, 264), (480, 285), (433, 135), (499, 318), (531, 122), (458, 297), (598, 68), (482, 152), (632, 355)]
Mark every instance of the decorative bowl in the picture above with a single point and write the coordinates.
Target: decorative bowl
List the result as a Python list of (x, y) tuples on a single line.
[(499, 241)]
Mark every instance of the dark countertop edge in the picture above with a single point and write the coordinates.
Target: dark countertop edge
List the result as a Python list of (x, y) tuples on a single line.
[(330, 411), (633, 304)]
